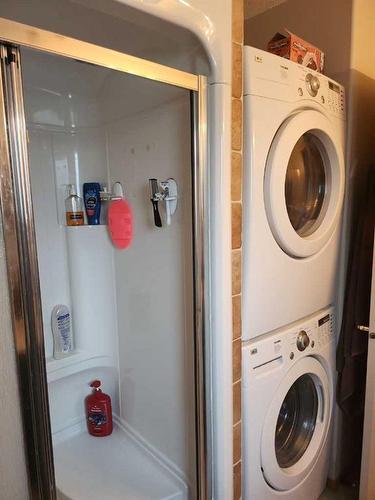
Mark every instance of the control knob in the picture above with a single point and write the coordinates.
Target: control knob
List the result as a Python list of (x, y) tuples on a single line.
[(303, 340), (312, 84)]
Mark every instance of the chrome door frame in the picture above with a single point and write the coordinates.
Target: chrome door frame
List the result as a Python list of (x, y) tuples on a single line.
[(20, 243)]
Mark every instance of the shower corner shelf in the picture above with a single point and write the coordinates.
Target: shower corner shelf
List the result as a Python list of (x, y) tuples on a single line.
[(86, 227), (77, 362)]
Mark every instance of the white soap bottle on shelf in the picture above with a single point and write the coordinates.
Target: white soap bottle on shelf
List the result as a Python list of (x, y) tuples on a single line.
[(62, 332)]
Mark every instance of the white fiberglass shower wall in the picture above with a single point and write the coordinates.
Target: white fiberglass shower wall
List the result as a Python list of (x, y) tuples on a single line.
[(132, 309)]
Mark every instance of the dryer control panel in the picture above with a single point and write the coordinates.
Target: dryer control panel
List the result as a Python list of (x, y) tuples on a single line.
[(274, 77), (336, 98)]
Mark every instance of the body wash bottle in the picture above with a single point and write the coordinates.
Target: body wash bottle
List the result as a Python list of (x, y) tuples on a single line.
[(73, 208), (91, 195)]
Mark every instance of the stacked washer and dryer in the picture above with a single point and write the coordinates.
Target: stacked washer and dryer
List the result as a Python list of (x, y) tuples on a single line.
[(294, 175)]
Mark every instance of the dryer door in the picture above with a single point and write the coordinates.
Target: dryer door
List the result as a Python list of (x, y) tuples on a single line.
[(296, 425), (304, 183)]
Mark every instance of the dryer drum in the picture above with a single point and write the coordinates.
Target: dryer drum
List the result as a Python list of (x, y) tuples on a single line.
[(305, 184), (296, 421)]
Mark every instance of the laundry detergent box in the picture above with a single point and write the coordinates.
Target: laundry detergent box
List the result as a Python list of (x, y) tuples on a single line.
[(296, 49)]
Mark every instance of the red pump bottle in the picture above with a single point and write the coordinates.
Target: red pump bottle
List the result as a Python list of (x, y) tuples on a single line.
[(99, 411)]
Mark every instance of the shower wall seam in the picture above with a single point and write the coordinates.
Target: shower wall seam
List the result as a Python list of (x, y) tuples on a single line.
[(105, 127)]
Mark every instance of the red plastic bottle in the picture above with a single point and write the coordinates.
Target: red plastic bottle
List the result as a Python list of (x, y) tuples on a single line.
[(99, 411)]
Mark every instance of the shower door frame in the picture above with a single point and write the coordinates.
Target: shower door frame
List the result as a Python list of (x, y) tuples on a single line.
[(20, 243)]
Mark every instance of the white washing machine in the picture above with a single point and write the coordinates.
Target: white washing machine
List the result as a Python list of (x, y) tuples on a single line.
[(294, 177), (288, 393)]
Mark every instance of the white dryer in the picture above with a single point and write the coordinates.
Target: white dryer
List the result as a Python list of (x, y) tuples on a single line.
[(294, 177), (288, 393)]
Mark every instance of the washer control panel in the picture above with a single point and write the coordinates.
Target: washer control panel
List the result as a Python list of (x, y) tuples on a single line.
[(302, 338), (314, 334)]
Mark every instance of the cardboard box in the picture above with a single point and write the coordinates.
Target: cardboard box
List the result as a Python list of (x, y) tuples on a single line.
[(298, 50)]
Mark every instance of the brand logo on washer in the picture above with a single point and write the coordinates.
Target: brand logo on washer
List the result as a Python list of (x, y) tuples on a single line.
[(258, 59)]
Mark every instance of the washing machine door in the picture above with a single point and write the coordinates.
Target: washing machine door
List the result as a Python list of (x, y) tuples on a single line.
[(304, 183), (296, 425)]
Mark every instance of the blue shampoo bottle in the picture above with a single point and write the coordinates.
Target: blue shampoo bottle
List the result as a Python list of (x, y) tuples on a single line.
[(91, 196)]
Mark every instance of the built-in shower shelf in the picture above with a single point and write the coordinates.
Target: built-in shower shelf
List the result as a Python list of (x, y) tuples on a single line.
[(75, 363)]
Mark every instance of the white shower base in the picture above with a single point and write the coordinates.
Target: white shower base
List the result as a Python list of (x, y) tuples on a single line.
[(112, 468)]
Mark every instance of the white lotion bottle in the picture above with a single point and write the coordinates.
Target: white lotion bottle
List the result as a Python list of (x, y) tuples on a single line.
[(61, 322)]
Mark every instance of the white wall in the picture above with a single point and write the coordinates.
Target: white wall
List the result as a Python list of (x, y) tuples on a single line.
[(154, 281), (362, 50), (362, 85), (66, 145), (89, 124)]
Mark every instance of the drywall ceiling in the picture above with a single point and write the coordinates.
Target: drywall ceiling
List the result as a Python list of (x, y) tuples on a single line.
[(255, 7)]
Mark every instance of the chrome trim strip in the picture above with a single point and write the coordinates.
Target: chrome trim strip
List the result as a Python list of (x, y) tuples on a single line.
[(35, 38), (200, 243), (23, 277)]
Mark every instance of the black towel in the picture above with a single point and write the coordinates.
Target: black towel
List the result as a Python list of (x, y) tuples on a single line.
[(352, 345)]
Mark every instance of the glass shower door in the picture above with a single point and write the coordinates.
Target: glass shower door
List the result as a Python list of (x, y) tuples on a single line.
[(132, 311)]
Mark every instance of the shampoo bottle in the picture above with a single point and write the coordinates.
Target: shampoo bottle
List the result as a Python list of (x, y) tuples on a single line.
[(91, 195), (99, 411), (62, 331), (73, 208)]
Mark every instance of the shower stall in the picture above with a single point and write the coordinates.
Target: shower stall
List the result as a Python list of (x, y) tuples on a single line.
[(72, 113)]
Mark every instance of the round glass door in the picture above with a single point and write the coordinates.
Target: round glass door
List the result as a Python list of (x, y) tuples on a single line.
[(296, 421), (304, 183), (296, 424)]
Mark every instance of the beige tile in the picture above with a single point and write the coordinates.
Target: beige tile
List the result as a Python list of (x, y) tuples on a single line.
[(236, 316), (237, 73), (236, 176), (237, 442), (236, 402), (237, 481), (236, 272), (236, 188), (236, 360), (237, 20), (236, 124), (236, 225)]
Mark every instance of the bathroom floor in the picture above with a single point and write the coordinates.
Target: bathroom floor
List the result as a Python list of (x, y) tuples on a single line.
[(343, 493)]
